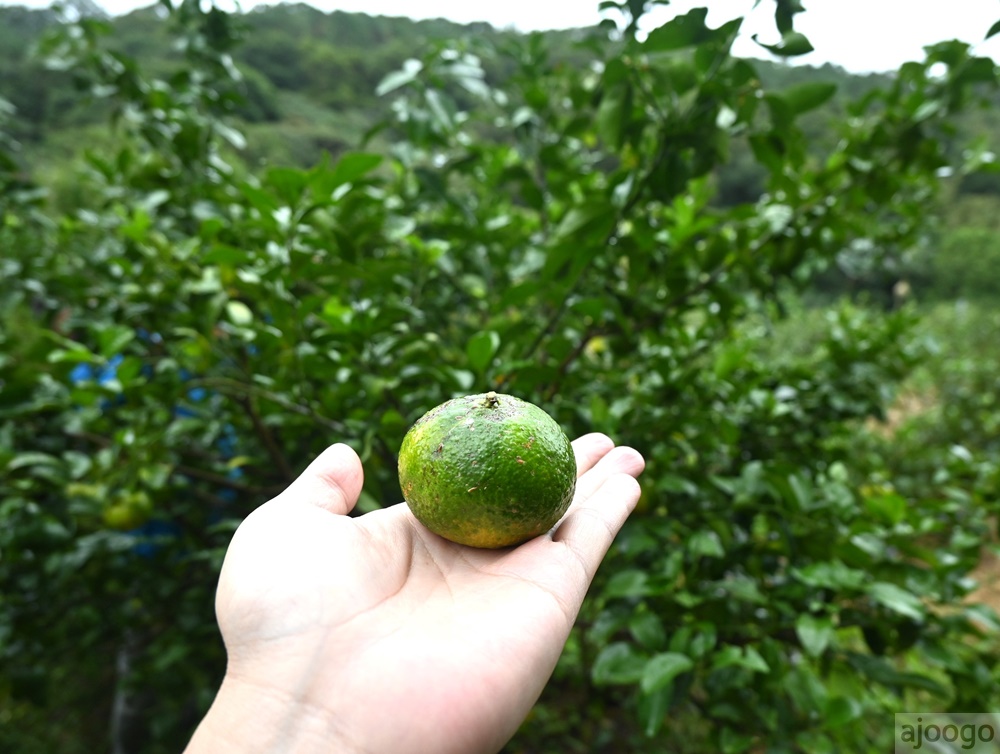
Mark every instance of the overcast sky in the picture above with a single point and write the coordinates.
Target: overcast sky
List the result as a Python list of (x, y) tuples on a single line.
[(860, 35)]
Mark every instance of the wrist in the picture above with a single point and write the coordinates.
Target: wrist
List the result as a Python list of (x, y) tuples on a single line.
[(248, 718)]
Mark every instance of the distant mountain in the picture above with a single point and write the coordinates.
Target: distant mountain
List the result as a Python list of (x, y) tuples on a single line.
[(310, 76)]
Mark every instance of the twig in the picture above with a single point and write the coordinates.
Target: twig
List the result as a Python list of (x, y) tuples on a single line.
[(572, 356), (622, 214), (209, 498), (267, 437), (224, 481), (235, 387), (91, 437)]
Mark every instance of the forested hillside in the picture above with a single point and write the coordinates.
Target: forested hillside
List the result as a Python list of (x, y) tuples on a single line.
[(309, 78), (309, 86)]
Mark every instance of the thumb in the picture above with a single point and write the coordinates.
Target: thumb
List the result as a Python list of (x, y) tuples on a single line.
[(332, 481)]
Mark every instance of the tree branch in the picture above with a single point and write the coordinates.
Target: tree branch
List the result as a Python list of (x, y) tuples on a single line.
[(571, 357), (224, 481), (621, 215), (267, 437), (236, 388)]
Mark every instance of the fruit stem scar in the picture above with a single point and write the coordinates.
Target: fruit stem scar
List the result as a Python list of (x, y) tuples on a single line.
[(491, 400)]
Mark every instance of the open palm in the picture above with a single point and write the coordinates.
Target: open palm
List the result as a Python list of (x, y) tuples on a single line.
[(373, 634)]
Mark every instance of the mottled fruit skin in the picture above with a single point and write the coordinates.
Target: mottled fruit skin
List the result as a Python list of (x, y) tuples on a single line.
[(487, 470)]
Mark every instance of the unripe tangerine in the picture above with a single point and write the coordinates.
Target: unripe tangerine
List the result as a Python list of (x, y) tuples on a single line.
[(487, 470)]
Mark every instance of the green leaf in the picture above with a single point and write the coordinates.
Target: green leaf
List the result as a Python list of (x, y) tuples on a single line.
[(805, 97), (481, 349), (288, 183), (578, 238), (745, 657), (441, 108), (156, 475), (628, 583), (801, 491), (78, 464), (72, 356), (793, 43), (889, 508), (336, 312), (897, 599), (703, 639), (136, 229), (705, 543), (731, 742), (653, 709), (599, 413), (880, 670), (226, 255), (994, 30), (411, 68), (583, 220), (648, 630), (661, 669), (743, 588), (350, 168), (927, 109), (263, 201), (398, 227), (32, 458), (831, 575), (113, 338), (752, 660), (814, 632), (840, 710), (984, 614), (675, 485), (683, 31), (784, 14), (729, 358), (816, 742), (769, 149), (230, 134), (618, 663), (616, 104), (129, 369), (239, 313)]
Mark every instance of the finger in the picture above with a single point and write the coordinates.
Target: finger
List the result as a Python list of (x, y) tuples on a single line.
[(332, 481), (620, 460), (589, 449), (591, 526)]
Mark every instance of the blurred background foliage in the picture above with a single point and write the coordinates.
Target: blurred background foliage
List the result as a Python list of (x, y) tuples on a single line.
[(230, 240)]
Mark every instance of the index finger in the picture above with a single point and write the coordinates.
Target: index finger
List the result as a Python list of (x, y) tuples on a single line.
[(589, 449), (606, 494)]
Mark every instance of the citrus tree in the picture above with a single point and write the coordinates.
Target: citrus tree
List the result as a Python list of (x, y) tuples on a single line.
[(180, 345)]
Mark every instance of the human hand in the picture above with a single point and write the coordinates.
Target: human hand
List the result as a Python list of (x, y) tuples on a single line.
[(372, 634)]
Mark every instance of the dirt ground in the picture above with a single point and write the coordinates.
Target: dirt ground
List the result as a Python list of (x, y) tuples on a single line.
[(988, 576), (907, 405)]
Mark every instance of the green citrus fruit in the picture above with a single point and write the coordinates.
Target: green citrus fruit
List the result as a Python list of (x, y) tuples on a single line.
[(128, 511), (487, 470)]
